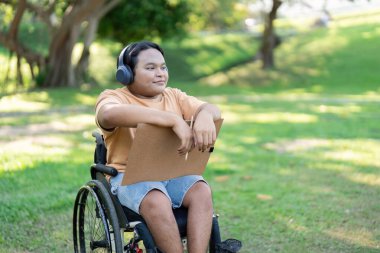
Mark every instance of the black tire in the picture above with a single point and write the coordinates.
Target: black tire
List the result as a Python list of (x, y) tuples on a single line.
[(95, 223)]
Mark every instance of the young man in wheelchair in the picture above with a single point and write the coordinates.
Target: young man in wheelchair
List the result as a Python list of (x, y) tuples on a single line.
[(145, 98)]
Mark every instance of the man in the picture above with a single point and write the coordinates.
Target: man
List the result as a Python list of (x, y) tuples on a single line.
[(146, 99)]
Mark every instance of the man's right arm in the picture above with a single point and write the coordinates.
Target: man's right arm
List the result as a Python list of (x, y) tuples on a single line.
[(114, 115)]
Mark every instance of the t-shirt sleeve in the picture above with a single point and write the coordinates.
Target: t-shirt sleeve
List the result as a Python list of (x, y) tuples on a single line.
[(189, 105), (106, 97)]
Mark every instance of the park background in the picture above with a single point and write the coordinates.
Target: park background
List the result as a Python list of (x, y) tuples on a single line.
[(297, 164)]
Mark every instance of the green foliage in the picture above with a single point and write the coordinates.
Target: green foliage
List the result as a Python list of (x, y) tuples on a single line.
[(137, 20), (144, 19), (216, 15), (34, 34), (6, 16)]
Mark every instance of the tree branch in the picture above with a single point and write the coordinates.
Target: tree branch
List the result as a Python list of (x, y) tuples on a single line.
[(109, 6), (81, 11), (44, 15), (15, 46), (13, 30)]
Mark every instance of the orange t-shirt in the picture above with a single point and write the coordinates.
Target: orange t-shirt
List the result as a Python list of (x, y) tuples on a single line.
[(119, 140)]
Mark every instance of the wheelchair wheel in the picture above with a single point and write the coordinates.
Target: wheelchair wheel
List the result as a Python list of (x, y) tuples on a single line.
[(95, 223)]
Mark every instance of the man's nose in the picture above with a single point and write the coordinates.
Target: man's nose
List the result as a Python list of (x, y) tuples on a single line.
[(159, 72)]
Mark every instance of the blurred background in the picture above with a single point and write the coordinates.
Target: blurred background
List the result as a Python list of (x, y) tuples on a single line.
[(297, 163)]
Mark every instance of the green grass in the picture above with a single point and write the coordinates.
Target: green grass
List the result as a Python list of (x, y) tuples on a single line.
[(296, 167), (208, 54)]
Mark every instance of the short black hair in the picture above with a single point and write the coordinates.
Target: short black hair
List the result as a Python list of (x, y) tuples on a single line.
[(134, 49)]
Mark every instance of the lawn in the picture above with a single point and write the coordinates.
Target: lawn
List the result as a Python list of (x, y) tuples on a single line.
[(296, 167)]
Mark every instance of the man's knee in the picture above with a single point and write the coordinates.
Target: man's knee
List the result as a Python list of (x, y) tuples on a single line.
[(155, 202), (200, 192)]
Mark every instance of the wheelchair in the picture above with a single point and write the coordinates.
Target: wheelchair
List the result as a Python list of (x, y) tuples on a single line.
[(102, 224)]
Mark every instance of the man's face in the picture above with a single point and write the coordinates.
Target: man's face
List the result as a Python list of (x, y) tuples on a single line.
[(151, 74)]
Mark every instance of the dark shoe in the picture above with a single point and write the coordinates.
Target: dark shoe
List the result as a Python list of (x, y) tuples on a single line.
[(228, 246)]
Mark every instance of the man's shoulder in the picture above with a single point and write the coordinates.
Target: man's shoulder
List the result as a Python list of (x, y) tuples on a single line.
[(172, 91), (110, 92), (119, 93)]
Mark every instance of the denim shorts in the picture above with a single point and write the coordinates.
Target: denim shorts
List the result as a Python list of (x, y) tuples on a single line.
[(132, 195)]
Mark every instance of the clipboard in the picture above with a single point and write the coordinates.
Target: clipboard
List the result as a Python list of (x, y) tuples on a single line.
[(154, 157)]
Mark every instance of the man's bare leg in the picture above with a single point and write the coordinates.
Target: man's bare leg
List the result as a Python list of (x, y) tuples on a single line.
[(198, 200), (156, 209)]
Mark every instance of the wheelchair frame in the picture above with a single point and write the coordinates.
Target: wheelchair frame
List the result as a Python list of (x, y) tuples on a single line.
[(100, 221)]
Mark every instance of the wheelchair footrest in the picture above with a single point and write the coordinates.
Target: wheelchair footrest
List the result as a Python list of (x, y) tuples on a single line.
[(229, 246)]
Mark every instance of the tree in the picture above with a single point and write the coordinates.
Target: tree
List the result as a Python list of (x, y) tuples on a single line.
[(216, 15), (64, 21), (145, 19), (68, 22), (269, 39)]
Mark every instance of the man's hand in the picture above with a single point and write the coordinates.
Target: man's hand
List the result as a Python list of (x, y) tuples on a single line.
[(184, 133), (204, 131)]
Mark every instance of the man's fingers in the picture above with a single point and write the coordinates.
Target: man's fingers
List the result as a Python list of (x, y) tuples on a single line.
[(205, 135), (186, 146), (199, 141), (205, 140), (182, 149), (210, 141)]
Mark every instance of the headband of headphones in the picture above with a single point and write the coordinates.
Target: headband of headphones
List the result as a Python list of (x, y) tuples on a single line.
[(121, 57), (124, 74)]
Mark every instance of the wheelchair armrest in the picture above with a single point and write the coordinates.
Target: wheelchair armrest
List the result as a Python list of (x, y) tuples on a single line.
[(98, 137), (103, 169)]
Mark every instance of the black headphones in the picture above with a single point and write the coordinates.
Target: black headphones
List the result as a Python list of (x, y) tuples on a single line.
[(124, 74)]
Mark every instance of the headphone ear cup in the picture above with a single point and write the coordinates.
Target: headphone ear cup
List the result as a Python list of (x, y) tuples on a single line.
[(124, 74)]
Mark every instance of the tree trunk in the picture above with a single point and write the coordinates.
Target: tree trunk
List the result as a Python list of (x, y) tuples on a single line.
[(81, 69), (57, 65), (59, 61), (269, 40), (60, 68), (20, 79), (83, 63)]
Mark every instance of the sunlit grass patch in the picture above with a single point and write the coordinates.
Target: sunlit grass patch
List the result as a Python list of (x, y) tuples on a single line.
[(274, 117), (361, 152), (26, 152), (297, 145), (340, 110), (365, 178), (17, 103), (360, 237)]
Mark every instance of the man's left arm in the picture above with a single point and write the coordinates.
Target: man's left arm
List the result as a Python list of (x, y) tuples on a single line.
[(204, 128)]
